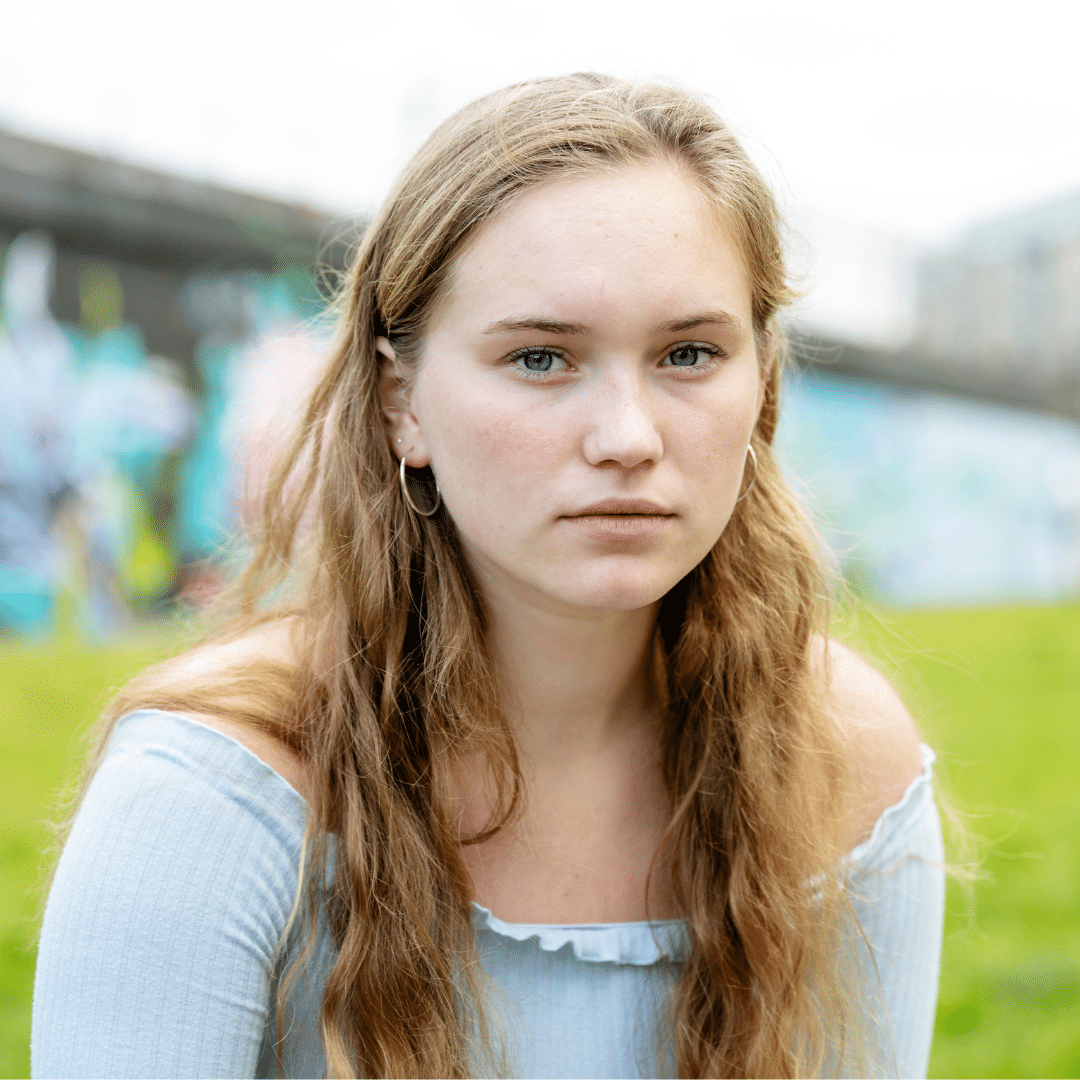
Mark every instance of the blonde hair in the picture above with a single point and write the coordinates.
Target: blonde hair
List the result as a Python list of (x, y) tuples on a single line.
[(392, 676)]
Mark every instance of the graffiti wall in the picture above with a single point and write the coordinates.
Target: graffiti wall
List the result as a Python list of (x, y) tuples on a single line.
[(122, 473), (928, 499)]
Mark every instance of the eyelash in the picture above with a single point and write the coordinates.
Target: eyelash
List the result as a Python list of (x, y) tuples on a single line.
[(699, 346), (711, 350), (522, 353)]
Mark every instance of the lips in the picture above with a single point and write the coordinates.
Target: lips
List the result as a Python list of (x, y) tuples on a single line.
[(622, 508)]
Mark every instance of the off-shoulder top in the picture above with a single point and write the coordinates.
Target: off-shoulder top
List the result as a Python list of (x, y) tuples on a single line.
[(159, 950)]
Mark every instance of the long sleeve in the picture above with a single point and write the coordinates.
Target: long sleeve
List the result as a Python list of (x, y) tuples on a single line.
[(157, 949), (897, 891)]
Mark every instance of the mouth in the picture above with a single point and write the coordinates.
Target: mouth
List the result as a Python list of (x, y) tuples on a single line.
[(621, 521), (622, 508)]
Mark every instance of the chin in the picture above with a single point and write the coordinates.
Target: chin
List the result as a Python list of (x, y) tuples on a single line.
[(616, 589)]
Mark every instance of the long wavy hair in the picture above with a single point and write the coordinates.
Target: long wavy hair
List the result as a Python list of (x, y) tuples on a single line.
[(390, 678)]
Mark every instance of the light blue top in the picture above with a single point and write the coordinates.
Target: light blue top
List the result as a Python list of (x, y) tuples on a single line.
[(157, 953)]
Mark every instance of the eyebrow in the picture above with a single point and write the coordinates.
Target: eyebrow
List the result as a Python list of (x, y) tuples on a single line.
[(551, 326), (724, 318), (545, 326)]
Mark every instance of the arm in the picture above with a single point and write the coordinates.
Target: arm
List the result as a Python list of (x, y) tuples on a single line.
[(897, 893), (897, 879), (157, 946)]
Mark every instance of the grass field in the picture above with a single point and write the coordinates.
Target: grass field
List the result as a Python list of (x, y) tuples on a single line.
[(997, 693)]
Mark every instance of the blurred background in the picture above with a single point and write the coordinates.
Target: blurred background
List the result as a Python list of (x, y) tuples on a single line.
[(172, 179)]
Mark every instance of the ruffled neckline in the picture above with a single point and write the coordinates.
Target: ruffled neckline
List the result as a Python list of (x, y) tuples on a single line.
[(639, 943), (645, 943)]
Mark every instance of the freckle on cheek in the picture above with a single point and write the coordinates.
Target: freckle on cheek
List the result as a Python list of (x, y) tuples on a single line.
[(489, 438)]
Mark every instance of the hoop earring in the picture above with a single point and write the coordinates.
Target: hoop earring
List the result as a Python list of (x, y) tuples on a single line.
[(409, 499), (753, 480)]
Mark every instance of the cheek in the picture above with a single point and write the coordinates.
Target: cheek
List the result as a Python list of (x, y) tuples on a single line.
[(711, 447), (508, 442), (489, 455)]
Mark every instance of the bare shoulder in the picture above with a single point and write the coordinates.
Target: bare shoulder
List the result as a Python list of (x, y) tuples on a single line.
[(274, 642), (881, 736), (270, 641)]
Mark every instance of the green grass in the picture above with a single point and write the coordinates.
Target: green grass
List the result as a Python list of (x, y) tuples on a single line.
[(50, 695), (997, 693)]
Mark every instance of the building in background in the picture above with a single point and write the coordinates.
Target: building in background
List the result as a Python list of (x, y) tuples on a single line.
[(157, 335), (1002, 306)]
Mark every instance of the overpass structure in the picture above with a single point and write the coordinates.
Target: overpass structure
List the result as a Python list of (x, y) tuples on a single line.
[(154, 229), (997, 314)]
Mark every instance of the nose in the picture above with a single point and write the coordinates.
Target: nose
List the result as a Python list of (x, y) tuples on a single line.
[(622, 429)]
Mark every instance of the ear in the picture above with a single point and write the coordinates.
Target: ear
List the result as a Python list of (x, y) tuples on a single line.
[(395, 402)]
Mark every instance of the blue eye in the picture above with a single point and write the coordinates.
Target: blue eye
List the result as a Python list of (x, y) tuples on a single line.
[(686, 356), (538, 361)]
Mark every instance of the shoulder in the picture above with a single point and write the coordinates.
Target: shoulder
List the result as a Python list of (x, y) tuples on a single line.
[(281, 758), (177, 771), (877, 730), (272, 642), (175, 885)]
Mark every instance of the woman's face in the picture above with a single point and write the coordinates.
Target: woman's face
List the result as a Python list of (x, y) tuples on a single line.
[(587, 389)]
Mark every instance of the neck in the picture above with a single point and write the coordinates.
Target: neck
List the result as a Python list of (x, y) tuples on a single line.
[(574, 685)]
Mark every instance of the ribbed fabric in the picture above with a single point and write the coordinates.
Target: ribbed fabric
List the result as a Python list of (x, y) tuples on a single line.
[(158, 952), (897, 890)]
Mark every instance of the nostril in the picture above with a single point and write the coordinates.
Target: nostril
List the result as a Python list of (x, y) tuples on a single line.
[(627, 445)]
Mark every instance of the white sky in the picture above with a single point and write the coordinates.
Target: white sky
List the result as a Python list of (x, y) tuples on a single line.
[(910, 119)]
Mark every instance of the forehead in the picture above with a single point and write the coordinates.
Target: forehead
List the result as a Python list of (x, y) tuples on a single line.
[(605, 240)]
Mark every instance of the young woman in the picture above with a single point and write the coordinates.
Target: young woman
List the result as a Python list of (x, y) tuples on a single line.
[(523, 749)]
